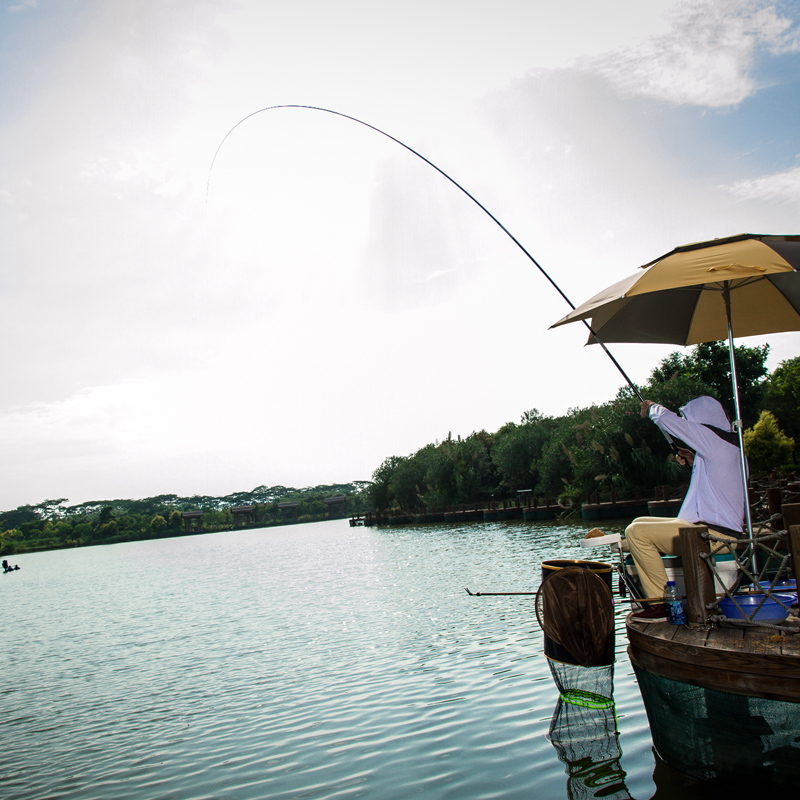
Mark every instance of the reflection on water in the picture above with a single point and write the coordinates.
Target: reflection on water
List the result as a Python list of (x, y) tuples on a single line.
[(313, 661), (587, 741), (584, 731)]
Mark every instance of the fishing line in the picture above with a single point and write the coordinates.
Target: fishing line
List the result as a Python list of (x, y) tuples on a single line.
[(455, 183)]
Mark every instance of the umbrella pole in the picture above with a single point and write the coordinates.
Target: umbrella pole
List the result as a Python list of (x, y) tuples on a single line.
[(726, 296)]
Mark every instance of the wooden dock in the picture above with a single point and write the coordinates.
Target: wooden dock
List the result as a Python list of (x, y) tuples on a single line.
[(753, 661)]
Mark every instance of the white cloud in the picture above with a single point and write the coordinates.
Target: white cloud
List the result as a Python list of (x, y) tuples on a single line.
[(782, 187), (25, 5), (707, 56), (336, 301)]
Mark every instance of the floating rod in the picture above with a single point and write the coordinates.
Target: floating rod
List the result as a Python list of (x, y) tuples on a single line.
[(456, 184)]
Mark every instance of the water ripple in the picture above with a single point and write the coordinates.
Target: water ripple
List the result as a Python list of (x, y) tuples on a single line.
[(315, 661)]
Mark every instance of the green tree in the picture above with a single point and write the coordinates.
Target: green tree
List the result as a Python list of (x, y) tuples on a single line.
[(782, 396), (49, 509), (475, 474), (8, 541), (13, 519), (158, 524), (706, 369), (766, 445), (175, 520), (107, 530), (432, 470), (408, 478), (513, 454), (82, 532), (378, 492), (557, 466), (518, 449)]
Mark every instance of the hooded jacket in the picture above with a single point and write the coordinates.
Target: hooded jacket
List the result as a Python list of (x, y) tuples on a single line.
[(716, 494)]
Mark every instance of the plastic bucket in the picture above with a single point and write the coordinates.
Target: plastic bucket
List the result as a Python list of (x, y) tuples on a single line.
[(725, 564), (553, 649)]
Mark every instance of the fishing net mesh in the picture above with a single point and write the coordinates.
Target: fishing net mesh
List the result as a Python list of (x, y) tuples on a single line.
[(713, 734), (587, 741), (583, 687)]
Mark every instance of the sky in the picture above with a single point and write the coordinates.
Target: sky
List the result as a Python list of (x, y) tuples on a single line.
[(323, 299)]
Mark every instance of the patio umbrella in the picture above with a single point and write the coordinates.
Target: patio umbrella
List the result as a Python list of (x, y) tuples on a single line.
[(741, 285), (681, 297)]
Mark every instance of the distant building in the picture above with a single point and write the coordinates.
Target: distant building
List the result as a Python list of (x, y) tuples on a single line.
[(288, 511), (242, 516), (335, 506), (192, 521)]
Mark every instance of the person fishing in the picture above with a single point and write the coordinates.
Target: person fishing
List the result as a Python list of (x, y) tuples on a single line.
[(715, 497)]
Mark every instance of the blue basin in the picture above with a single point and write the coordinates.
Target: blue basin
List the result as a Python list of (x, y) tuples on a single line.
[(770, 611)]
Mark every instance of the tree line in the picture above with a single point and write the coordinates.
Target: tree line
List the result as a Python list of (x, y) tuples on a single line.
[(602, 448), (51, 524)]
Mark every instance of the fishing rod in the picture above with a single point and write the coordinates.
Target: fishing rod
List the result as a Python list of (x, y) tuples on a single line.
[(455, 183), (632, 599), (472, 197)]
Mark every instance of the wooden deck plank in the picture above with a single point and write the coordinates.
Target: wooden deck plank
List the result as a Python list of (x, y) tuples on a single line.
[(761, 640), (725, 638), (743, 661), (689, 636)]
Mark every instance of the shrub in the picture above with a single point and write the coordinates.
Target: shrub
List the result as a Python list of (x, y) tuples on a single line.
[(767, 447)]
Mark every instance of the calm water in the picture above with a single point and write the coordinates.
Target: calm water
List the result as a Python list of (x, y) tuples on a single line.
[(310, 661)]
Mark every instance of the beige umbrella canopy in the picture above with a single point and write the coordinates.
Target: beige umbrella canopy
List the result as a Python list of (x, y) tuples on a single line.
[(681, 297), (743, 285)]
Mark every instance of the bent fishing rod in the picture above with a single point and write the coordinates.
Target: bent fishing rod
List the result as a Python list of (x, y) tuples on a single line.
[(458, 186)]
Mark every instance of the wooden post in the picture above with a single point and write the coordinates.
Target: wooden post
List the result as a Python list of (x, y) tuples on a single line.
[(791, 518), (774, 498), (697, 575), (794, 549), (791, 513)]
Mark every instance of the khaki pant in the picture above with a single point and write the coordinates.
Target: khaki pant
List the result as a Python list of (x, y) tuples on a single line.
[(648, 538)]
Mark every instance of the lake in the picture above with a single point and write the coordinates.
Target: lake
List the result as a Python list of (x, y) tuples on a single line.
[(304, 661)]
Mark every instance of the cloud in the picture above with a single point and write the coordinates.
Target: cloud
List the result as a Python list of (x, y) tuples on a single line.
[(330, 302), (706, 59), (418, 252), (25, 5), (782, 187)]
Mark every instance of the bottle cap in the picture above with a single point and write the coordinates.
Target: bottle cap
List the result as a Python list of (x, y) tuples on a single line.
[(670, 583)]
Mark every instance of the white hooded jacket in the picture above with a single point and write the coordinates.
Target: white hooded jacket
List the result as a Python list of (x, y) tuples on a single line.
[(716, 494)]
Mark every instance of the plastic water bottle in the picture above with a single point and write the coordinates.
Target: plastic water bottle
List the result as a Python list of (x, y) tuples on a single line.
[(677, 616)]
